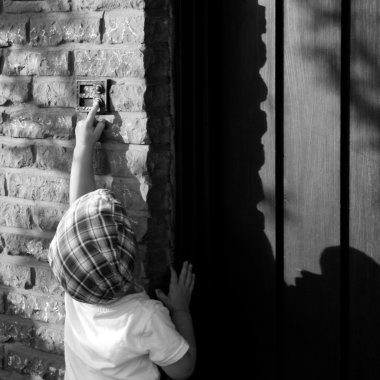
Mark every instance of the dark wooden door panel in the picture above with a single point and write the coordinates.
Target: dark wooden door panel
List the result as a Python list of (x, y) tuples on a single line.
[(311, 189), (364, 259)]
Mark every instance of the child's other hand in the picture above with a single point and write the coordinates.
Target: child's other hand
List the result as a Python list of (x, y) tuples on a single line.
[(85, 133), (180, 289)]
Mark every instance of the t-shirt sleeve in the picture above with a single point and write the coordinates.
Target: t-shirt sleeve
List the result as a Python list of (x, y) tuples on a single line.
[(160, 339)]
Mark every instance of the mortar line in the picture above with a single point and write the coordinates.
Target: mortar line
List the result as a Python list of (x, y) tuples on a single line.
[(33, 203), (8, 289), (56, 174), (31, 322), (27, 233), (66, 111), (81, 46), (21, 141), (18, 347), (23, 261)]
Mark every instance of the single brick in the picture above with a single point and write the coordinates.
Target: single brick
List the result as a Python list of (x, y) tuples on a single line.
[(38, 248), (47, 219), (13, 30), (39, 308), (46, 282), (35, 123), (129, 162), (128, 97), (13, 156), (123, 27), (20, 245), (15, 215), (3, 186), (14, 90), (124, 128), (16, 331), (35, 62), (55, 92), (11, 6), (33, 334), (49, 339), (36, 187), (132, 130), (130, 193), (127, 62), (136, 157), (54, 157), (56, 28), (17, 276), (100, 5), (29, 361)]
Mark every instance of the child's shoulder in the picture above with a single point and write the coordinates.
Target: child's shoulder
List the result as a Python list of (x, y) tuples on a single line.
[(137, 306), (138, 301), (142, 301)]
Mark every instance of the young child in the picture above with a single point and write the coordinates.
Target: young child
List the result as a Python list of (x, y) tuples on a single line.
[(113, 330)]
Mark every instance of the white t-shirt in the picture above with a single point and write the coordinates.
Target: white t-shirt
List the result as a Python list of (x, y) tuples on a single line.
[(123, 341)]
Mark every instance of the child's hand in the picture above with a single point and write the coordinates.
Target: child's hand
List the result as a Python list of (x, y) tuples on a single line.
[(180, 289), (86, 135)]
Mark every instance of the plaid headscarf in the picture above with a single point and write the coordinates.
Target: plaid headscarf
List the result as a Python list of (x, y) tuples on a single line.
[(93, 251)]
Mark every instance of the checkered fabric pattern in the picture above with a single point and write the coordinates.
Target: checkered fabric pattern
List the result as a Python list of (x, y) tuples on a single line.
[(93, 251)]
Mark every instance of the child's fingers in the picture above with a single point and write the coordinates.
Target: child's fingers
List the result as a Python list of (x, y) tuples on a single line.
[(173, 277), (183, 274), (91, 115), (192, 283), (162, 297), (188, 275)]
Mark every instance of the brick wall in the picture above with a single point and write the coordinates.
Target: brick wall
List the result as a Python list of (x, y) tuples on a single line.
[(44, 47)]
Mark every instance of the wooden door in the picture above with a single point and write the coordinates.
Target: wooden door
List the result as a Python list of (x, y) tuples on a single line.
[(327, 148), (285, 141)]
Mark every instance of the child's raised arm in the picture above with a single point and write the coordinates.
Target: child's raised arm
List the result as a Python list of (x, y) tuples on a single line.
[(82, 180)]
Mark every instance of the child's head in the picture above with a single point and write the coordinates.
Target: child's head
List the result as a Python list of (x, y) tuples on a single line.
[(93, 251)]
